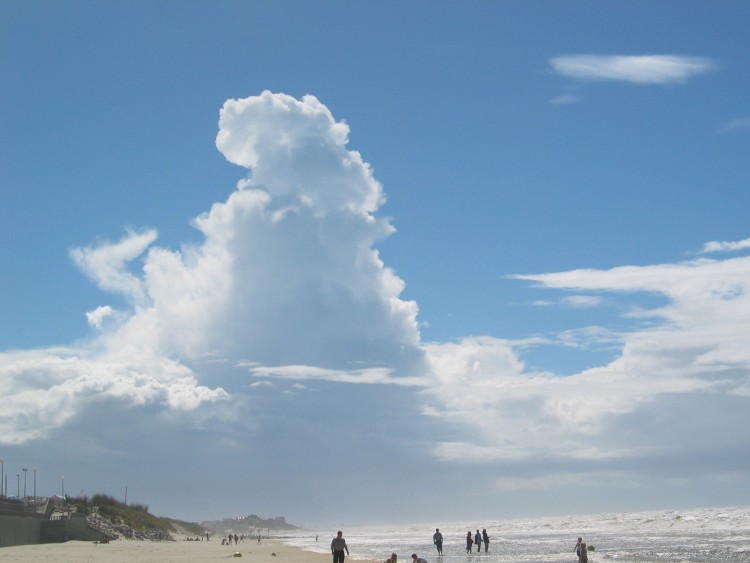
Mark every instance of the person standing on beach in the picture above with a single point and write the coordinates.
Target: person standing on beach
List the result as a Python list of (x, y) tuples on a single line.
[(338, 546), (485, 539), (478, 541), (469, 542), (437, 539)]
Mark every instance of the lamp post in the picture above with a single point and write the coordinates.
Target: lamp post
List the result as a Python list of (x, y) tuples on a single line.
[(25, 469), (62, 479), (18, 485), (34, 470), (2, 476)]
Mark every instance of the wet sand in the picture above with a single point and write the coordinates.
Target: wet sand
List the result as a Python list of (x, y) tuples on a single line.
[(122, 551)]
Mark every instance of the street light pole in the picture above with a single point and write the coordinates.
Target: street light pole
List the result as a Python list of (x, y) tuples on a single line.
[(62, 479), (18, 485), (25, 469), (2, 476), (34, 470)]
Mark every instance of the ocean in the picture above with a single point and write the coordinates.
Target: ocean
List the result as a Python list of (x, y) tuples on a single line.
[(694, 535)]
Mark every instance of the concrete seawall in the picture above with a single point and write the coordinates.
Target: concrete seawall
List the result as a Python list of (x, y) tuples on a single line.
[(20, 529), (21, 524)]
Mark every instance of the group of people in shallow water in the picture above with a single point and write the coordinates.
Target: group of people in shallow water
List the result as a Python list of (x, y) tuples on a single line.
[(338, 547), (477, 540), (437, 539)]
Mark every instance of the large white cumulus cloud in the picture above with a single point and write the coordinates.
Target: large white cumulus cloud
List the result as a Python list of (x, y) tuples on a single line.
[(294, 247), (286, 274)]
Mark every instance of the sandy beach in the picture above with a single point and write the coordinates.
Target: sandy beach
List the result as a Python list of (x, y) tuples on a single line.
[(159, 552)]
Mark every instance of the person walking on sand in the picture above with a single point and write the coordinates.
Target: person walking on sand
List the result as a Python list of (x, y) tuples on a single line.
[(469, 542), (478, 541), (437, 539), (416, 559), (485, 539), (338, 546)]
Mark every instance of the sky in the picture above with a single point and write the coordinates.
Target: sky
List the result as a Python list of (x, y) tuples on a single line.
[(376, 262)]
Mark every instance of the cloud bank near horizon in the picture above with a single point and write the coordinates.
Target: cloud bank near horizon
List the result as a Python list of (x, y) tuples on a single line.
[(287, 284)]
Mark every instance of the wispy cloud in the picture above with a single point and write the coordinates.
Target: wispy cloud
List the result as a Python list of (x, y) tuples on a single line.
[(106, 263), (638, 69), (571, 301), (565, 99), (739, 124), (694, 347), (726, 246), (582, 301), (365, 376)]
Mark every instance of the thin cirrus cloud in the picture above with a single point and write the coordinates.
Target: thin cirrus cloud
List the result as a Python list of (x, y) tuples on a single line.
[(739, 124), (635, 69)]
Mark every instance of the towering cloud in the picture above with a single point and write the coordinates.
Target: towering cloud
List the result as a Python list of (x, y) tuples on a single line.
[(286, 277)]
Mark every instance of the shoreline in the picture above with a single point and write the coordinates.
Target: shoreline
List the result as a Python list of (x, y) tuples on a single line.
[(182, 551)]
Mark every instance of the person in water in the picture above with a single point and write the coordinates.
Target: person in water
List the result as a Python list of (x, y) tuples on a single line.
[(437, 539), (469, 542), (416, 559), (392, 559), (485, 539), (583, 556)]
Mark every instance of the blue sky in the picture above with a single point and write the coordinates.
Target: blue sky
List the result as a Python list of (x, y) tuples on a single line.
[(357, 262)]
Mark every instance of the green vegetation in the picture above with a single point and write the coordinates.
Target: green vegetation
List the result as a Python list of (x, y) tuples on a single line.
[(135, 515)]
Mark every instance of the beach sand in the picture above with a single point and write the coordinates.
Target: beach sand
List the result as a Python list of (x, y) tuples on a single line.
[(181, 551)]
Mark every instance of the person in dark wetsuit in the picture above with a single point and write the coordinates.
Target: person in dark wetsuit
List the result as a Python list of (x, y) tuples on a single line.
[(437, 539)]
